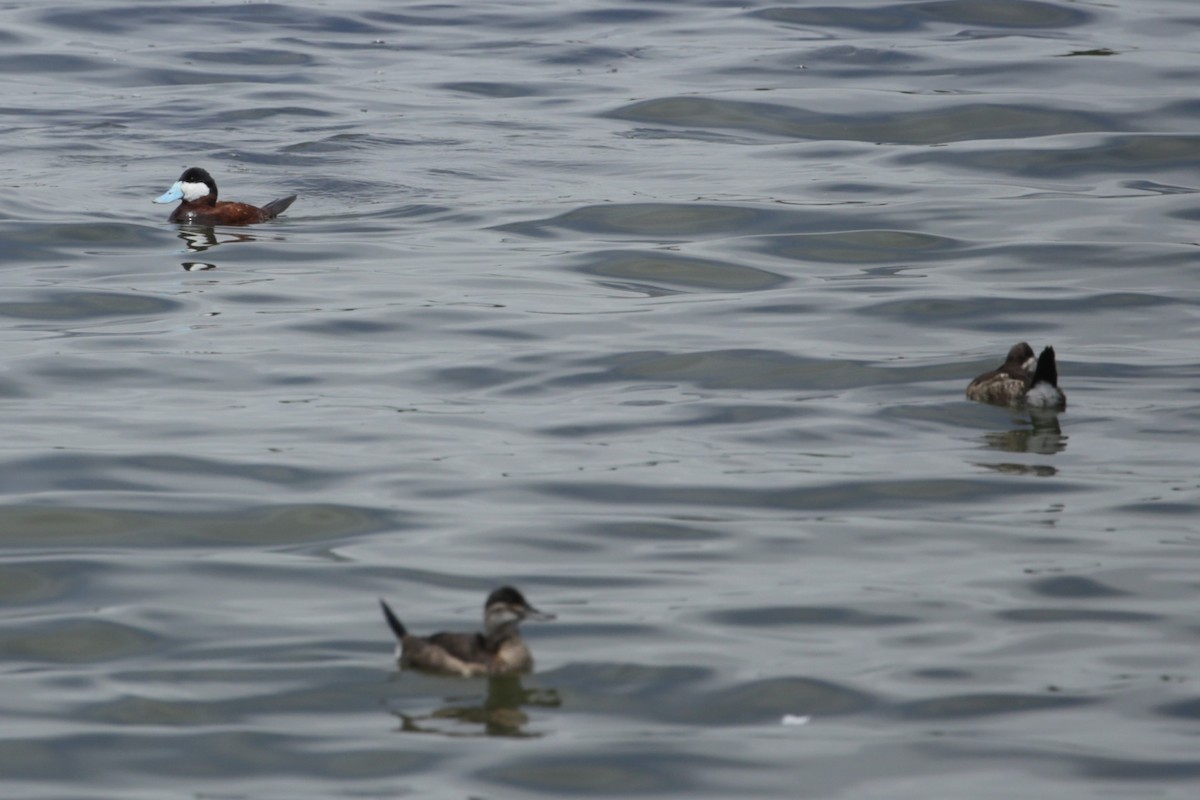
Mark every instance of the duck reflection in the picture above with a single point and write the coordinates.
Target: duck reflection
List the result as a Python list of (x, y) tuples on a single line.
[(1044, 436), (500, 713), (200, 238)]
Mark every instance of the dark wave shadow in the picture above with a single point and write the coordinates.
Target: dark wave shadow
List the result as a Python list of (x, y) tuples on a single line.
[(934, 124), (1138, 153), (906, 17), (684, 695), (655, 272)]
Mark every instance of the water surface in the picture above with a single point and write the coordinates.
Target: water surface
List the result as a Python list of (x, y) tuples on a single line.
[(662, 312)]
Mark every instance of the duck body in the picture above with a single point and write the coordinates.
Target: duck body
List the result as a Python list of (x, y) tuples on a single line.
[(1021, 380), (197, 192), (498, 650)]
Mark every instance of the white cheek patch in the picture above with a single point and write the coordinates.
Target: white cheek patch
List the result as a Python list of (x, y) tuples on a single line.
[(193, 191), (500, 615)]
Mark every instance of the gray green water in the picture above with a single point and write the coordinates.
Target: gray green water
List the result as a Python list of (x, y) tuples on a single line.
[(660, 311)]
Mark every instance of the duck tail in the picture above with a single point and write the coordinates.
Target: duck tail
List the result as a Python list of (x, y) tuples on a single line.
[(393, 621), (1047, 369), (276, 207)]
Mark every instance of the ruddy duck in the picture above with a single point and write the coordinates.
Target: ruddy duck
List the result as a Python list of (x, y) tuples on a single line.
[(1021, 380), (198, 191), (497, 651)]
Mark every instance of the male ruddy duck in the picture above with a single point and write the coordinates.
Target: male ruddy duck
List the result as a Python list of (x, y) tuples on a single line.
[(1021, 380), (198, 191), (497, 651)]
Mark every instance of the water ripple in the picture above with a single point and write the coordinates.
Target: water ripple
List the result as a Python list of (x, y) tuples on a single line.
[(935, 125)]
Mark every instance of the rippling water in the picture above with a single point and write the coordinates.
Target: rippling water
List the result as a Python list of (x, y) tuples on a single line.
[(660, 311)]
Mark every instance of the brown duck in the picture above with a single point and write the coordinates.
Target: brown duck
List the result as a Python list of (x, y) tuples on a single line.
[(499, 650), (1021, 380)]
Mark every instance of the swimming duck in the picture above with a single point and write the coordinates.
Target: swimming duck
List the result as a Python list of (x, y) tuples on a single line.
[(198, 191), (1021, 380), (497, 651)]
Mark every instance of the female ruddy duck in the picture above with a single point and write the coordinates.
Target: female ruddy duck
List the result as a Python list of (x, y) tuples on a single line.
[(1021, 380), (497, 651), (198, 191)]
